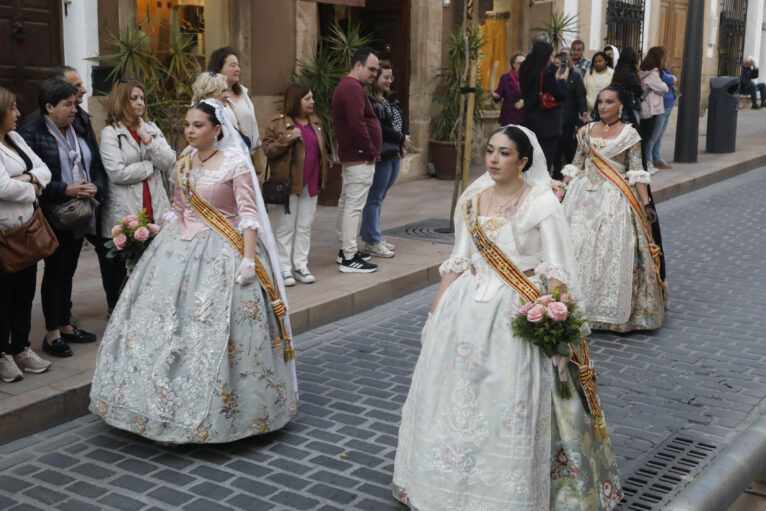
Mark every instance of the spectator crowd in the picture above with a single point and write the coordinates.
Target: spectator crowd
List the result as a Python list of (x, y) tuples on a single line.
[(83, 186)]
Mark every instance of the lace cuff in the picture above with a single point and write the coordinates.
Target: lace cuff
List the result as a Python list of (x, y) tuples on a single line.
[(570, 170), (454, 264), (247, 223), (552, 272), (638, 176), (170, 216)]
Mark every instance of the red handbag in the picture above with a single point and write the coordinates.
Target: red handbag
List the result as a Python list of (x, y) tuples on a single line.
[(546, 98)]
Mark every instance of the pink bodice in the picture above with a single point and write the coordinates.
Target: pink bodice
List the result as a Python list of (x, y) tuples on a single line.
[(230, 189)]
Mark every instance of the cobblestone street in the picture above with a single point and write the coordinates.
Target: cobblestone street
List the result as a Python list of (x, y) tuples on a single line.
[(703, 374)]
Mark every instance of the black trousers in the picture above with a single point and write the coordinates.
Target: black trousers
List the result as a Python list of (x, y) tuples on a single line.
[(112, 270), (17, 290), (646, 130), (549, 145), (565, 151), (56, 289)]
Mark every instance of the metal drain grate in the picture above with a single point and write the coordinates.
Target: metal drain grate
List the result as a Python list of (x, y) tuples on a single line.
[(665, 472), (433, 229)]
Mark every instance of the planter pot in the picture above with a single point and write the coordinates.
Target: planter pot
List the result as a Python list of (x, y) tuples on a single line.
[(331, 193), (444, 158)]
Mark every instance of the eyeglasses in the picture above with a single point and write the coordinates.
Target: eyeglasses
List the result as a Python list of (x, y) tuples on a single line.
[(389, 78), (372, 69)]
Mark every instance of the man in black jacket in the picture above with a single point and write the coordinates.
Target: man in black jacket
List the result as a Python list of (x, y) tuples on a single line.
[(574, 114), (747, 86)]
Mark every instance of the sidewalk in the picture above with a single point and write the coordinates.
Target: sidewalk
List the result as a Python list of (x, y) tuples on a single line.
[(42, 401)]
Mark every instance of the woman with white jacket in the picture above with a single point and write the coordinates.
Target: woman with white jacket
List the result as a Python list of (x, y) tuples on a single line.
[(652, 103), (23, 175), (135, 154)]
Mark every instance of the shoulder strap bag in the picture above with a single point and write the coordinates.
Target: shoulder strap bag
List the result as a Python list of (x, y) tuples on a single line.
[(23, 246), (547, 100), (276, 191)]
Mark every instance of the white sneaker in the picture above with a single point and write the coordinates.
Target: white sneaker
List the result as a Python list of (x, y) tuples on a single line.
[(30, 362), (388, 245), (9, 371), (652, 170), (289, 280), (304, 275), (379, 250)]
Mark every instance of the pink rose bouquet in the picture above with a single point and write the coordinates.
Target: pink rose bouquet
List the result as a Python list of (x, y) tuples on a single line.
[(559, 189), (551, 322), (130, 237)]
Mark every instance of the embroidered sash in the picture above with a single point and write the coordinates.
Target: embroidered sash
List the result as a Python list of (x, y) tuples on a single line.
[(499, 262), (617, 180), (515, 278), (219, 223)]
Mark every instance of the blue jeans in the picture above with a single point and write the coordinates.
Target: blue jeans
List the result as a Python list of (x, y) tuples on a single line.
[(654, 146), (386, 173), (751, 89)]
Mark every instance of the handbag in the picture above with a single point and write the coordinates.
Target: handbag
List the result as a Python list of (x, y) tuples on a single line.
[(546, 98), (23, 246), (276, 191), (70, 214)]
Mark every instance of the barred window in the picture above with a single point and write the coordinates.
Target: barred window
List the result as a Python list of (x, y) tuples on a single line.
[(625, 24), (731, 38)]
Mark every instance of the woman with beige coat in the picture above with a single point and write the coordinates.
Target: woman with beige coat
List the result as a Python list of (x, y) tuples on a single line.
[(135, 154), (295, 146)]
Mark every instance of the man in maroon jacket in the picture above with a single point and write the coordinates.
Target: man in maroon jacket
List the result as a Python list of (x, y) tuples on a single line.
[(357, 130)]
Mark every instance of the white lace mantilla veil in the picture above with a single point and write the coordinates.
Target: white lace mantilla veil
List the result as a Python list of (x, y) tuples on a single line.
[(536, 176), (232, 141)]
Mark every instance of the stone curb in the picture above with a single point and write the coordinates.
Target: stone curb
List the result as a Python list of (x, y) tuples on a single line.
[(69, 404)]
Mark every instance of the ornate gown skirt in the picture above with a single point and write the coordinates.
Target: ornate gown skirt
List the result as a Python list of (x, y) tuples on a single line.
[(188, 355), (483, 428), (621, 288)]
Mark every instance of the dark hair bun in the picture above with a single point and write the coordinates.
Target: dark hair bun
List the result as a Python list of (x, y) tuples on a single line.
[(523, 145), (210, 111)]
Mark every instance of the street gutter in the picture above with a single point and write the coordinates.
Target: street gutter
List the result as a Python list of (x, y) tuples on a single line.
[(727, 476)]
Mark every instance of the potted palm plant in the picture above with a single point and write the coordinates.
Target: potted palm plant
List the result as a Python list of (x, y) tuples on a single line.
[(443, 144), (330, 62), (166, 75)]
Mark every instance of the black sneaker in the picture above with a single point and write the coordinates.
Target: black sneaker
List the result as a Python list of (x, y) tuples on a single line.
[(364, 256), (756, 106), (357, 265)]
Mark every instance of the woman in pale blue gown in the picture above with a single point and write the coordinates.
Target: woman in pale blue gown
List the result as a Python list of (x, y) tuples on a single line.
[(198, 348), (483, 427)]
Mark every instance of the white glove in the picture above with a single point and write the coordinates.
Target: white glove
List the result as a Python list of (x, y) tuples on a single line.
[(246, 272)]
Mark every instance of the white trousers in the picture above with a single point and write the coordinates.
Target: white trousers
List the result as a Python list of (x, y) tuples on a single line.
[(357, 180), (293, 231)]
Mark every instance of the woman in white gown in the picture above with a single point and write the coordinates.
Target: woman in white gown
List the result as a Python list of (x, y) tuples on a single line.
[(613, 222), (483, 427), (198, 349)]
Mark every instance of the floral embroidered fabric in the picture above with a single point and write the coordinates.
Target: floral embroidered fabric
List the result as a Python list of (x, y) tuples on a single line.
[(477, 426), (620, 289), (188, 355)]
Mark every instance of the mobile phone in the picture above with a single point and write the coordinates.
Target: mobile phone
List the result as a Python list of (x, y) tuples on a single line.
[(563, 67)]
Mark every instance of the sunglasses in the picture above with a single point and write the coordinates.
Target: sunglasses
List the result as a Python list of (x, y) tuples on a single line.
[(127, 79)]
